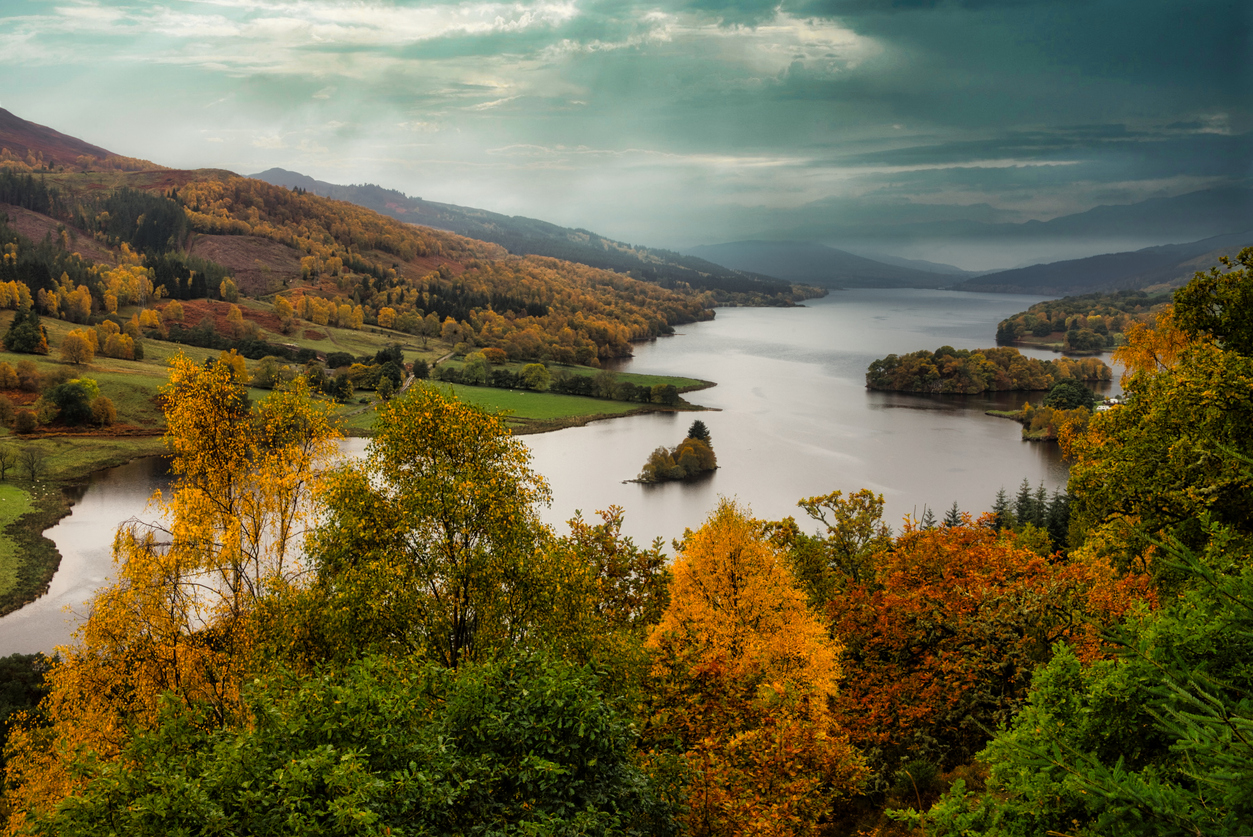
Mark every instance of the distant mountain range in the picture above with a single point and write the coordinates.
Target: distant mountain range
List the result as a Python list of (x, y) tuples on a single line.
[(827, 267), (528, 236), (1153, 268)]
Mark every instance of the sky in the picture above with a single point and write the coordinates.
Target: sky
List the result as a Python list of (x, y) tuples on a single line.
[(665, 122)]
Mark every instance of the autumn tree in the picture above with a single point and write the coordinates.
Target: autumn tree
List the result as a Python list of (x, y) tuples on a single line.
[(433, 542), (180, 618), (743, 676), (942, 637), (76, 349), (852, 532), (1172, 451)]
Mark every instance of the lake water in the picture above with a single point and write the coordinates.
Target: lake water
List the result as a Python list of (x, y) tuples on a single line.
[(790, 418)]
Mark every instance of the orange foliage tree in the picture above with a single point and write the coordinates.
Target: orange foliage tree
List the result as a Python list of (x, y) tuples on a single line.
[(942, 641), (743, 676)]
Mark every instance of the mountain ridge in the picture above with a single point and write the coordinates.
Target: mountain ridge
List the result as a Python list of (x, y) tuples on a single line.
[(521, 235)]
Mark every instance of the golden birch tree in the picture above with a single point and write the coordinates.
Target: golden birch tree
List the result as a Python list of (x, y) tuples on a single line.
[(181, 617)]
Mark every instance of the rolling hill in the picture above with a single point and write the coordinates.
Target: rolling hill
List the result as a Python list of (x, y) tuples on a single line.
[(529, 236)]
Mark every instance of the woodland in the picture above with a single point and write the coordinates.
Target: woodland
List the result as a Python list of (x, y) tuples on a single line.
[(1092, 322), (969, 372), (399, 645)]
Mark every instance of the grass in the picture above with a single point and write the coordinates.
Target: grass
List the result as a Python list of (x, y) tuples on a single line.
[(37, 558), (14, 502)]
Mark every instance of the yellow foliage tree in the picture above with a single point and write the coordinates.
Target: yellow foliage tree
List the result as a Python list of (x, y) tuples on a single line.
[(77, 347), (743, 676), (181, 617)]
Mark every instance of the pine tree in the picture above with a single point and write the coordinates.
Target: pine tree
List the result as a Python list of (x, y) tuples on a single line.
[(1003, 516), (953, 517)]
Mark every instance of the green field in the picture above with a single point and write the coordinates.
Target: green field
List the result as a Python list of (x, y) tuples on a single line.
[(539, 406), (14, 502)]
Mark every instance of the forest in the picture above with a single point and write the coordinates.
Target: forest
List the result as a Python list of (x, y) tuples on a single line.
[(399, 645), (1091, 322), (357, 268), (981, 370)]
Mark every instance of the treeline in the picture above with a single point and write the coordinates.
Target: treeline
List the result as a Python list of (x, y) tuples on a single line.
[(1081, 323), (483, 369), (949, 370)]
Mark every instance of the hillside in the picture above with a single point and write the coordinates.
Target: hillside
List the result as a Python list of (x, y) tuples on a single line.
[(529, 236), (1153, 268), (26, 139), (817, 264)]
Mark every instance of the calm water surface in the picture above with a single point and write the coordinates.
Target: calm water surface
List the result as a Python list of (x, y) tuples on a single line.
[(790, 418)]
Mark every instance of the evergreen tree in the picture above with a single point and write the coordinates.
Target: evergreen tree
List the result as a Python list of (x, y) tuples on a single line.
[(953, 517), (1057, 519), (26, 334), (1024, 511), (698, 430), (928, 518), (1003, 515)]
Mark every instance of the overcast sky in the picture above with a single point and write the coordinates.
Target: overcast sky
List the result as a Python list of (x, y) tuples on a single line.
[(668, 123)]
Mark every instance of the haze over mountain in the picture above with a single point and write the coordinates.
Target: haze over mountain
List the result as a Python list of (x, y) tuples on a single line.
[(1150, 269), (22, 137), (529, 236), (817, 264), (950, 125)]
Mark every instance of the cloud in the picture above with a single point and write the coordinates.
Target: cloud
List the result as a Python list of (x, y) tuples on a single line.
[(273, 141)]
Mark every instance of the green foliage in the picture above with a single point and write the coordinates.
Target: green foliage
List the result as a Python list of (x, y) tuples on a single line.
[(1158, 741), (854, 531), (699, 431), (536, 376), (73, 400), (433, 542), (522, 747), (1068, 394), (1219, 304), (26, 334), (21, 689)]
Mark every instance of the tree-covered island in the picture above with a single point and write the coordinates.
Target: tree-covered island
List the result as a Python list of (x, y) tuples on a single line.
[(691, 457), (966, 371)]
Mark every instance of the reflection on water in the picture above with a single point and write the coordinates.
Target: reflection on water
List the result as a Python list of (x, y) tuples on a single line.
[(85, 541), (790, 418)]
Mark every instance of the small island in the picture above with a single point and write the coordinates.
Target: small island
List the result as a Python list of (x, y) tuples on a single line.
[(693, 456)]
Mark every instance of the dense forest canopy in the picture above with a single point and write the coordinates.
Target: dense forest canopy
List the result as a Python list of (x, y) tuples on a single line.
[(1081, 323)]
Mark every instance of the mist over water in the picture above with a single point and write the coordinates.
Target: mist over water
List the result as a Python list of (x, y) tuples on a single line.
[(790, 418)]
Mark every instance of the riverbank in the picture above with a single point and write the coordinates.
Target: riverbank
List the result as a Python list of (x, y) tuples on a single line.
[(60, 464)]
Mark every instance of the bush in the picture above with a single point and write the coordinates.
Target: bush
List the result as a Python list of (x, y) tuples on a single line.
[(24, 422), (103, 413)]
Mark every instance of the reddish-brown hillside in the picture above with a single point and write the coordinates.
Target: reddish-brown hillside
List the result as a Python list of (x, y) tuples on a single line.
[(22, 137)]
